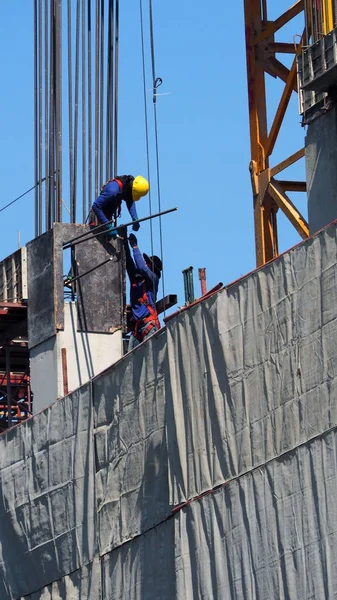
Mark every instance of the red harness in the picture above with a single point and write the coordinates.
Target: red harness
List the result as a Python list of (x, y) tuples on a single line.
[(151, 321)]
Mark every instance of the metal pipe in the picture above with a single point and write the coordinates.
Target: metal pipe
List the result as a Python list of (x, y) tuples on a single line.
[(73, 279), (8, 378), (202, 278), (101, 228), (188, 284)]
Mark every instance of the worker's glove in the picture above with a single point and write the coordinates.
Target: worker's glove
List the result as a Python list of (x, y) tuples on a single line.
[(111, 232), (136, 226), (123, 232), (132, 240)]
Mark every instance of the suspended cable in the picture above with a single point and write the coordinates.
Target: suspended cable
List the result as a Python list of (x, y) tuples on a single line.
[(146, 119), (156, 83), (22, 195)]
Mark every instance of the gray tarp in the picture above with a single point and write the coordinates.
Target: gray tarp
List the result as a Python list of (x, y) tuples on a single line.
[(240, 389)]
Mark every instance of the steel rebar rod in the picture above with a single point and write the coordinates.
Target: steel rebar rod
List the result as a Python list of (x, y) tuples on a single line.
[(36, 172), (46, 109), (50, 215), (115, 151), (73, 279), (90, 191), (96, 107), (77, 59), (101, 97), (40, 109), (58, 106), (101, 228), (84, 117), (110, 57), (70, 116)]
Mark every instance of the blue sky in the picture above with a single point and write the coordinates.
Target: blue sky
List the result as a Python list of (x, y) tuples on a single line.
[(203, 133)]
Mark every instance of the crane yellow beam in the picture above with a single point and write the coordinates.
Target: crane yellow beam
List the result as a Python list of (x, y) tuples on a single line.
[(268, 194)]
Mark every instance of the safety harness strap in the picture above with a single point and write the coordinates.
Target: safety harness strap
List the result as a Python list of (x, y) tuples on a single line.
[(151, 321)]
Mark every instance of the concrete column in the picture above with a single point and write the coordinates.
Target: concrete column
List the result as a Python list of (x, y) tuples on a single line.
[(87, 354), (321, 170)]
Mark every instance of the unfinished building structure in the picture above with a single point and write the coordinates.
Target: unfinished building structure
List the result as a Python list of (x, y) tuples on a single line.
[(203, 463)]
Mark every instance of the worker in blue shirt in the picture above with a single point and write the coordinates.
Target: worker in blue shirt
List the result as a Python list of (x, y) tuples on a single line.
[(108, 205), (144, 273)]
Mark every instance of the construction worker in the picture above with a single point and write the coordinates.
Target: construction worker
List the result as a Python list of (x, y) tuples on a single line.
[(108, 205), (144, 273)]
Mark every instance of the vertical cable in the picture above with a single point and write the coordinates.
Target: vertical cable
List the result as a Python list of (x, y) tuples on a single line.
[(146, 119), (156, 83), (84, 117), (70, 111), (89, 111), (36, 149), (115, 151), (46, 111)]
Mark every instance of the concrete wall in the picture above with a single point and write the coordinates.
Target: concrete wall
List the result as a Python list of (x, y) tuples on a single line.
[(87, 355), (321, 161)]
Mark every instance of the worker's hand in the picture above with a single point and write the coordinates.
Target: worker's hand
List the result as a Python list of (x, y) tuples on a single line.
[(132, 240), (111, 232), (136, 226)]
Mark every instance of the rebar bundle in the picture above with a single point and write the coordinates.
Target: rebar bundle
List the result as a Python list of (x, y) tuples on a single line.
[(76, 105)]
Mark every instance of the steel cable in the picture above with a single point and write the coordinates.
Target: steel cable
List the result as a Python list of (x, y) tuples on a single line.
[(157, 81), (146, 119)]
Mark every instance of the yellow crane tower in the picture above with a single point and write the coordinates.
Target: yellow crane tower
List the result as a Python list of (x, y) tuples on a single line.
[(270, 192)]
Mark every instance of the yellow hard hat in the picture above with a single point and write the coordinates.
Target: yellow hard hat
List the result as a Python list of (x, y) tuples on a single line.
[(140, 187)]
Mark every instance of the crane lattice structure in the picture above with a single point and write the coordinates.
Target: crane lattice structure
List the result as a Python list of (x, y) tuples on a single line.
[(269, 193)]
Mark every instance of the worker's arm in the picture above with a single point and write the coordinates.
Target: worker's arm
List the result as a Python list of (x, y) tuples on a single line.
[(130, 265), (142, 266), (133, 213), (107, 196)]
